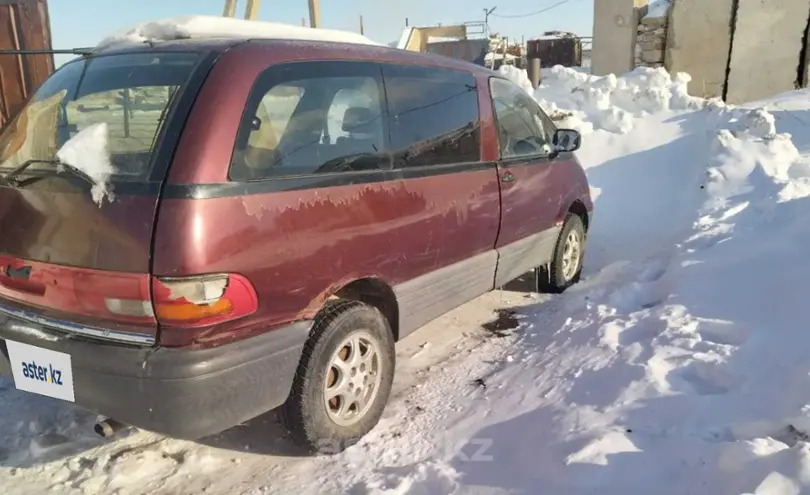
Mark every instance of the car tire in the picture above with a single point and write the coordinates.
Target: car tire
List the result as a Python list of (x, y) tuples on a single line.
[(331, 363), (561, 274)]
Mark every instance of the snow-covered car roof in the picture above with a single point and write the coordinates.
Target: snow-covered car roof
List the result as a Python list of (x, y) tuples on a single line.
[(213, 27)]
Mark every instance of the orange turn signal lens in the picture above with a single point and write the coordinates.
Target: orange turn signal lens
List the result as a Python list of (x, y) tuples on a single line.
[(180, 312)]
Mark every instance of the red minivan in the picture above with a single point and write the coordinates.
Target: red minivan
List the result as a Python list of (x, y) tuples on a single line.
[(278, 214)]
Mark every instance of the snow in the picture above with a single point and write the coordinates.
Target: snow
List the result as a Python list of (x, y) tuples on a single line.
[(88, 152), (491, 56), (613, 103), (517, 76), (678, 365), (201, 26)]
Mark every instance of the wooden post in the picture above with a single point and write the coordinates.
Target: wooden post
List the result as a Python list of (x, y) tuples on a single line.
[(230, 8), (361, 24), (252, 9), (314, 13)]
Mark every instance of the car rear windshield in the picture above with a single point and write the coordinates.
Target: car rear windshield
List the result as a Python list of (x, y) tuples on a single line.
[(131, 93)]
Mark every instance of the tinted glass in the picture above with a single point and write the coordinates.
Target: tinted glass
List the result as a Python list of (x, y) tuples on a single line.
[(520, 121), (131, 93), (313, 118), (434, 115)]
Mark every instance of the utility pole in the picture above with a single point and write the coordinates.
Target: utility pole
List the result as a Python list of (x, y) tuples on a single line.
[(314, 13), (230, 8), (487, 13), (252, 9), (361, 24)]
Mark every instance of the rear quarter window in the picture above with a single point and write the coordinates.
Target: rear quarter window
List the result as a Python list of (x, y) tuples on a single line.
[(434, 115), (311, 118)]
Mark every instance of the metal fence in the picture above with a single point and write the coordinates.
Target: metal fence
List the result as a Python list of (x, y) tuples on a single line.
[(565, 51)]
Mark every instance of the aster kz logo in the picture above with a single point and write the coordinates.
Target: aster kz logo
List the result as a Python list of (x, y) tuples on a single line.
[(40, 373), (21, 272)]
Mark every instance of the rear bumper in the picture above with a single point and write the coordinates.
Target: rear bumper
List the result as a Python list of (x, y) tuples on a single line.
[(185, 394)]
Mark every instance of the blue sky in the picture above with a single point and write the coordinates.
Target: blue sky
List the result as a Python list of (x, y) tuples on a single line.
[(83, 23)]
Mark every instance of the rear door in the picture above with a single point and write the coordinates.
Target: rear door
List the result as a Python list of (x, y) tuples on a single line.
[(530, 202), (75, 252), (436, 141)]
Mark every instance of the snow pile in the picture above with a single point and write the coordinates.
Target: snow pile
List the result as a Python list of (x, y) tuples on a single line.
[(586, 103), (88, 153), (517, 76), (200, 26), (611, 103), (750, 145)]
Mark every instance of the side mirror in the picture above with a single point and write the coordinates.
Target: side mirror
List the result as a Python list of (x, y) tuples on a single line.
[(566, 140)]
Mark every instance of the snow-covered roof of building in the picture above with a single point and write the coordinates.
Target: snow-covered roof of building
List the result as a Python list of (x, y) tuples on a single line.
[(206, 27)]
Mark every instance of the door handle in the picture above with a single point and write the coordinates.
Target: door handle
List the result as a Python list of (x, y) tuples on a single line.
[(508, 177)]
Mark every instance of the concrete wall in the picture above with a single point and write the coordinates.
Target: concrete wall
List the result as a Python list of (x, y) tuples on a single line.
[(615, 23), (768, 41), (651, 41), (698, 43)]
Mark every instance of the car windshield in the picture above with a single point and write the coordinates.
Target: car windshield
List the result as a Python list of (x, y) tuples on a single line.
[(128, 95)]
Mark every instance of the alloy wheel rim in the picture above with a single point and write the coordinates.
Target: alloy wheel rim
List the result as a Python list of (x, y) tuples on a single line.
[(572, 253), (353, 378)]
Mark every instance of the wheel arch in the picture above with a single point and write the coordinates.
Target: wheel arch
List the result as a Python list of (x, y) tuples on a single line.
[(578, 208), (374, 292)]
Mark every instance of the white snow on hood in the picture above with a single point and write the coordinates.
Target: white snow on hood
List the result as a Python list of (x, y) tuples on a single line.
[(202, 26), (88, 152)]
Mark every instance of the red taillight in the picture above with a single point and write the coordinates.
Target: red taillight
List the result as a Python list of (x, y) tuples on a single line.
[(202, 300)]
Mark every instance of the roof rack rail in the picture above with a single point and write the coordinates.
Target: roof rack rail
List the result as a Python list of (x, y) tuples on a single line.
[(71, 51)]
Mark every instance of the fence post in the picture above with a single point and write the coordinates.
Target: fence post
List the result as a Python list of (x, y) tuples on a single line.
[(534, 71)]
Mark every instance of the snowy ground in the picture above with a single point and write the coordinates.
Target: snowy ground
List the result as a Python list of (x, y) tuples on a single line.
[(679, 365)]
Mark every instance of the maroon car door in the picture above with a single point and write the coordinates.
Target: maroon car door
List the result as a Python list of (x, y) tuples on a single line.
[(530, 201)]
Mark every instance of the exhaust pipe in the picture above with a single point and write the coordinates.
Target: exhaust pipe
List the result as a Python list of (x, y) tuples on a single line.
[(109, 427)]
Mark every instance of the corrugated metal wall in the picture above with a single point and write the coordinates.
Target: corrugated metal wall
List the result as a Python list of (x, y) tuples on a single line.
[(24, 25)]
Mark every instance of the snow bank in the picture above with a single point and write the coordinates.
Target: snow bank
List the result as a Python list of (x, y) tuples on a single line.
[(517, 76), (199, 26), (609, 102), (587, 103), (88, 152)]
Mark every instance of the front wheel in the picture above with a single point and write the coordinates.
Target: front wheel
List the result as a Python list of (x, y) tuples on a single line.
[(566, 265), (344, 378)]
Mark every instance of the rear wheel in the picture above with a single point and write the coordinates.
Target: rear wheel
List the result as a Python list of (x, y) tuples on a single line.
[(343, 380), (566, 265)]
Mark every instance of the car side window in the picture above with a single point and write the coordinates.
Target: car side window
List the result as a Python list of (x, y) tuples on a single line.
[(521, 124), (312, 118), (434, 116)]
